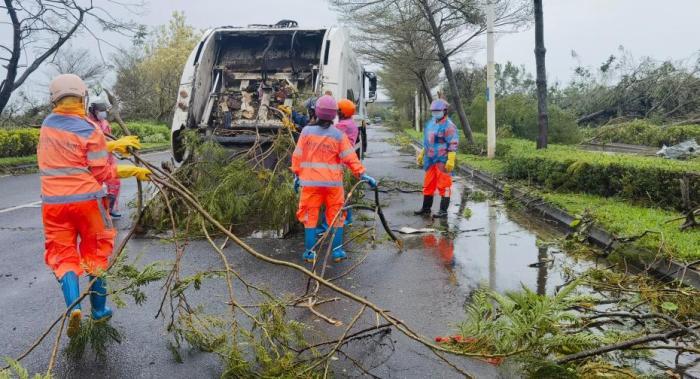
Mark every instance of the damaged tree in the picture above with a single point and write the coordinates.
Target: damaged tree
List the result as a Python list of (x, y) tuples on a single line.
[(41, 28), (450, 26)]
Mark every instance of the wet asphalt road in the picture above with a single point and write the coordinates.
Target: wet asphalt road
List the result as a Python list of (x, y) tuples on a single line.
[(426, 286)]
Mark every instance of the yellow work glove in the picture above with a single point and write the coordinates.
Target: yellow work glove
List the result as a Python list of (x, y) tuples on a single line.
[(450, 164), (127, 171), (285, 109), (419, 158), (123, 144)]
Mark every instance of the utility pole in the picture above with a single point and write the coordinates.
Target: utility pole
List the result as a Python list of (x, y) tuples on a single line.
[(490, 84), (416, 111)]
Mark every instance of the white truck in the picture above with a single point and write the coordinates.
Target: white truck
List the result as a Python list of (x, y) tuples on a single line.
[(235, 79)]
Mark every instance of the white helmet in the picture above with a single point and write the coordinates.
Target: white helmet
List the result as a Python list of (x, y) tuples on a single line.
[(67, 85)]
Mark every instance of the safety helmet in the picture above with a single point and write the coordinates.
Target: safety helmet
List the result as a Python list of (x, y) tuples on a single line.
[(346, 108), (439, 105), (326, 108), (67, 85)]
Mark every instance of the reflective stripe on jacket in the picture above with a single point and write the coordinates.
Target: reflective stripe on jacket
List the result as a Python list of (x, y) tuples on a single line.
[(438, 140), (73, 159), (320, 154)]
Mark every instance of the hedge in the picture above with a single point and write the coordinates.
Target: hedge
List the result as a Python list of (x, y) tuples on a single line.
[(646, 180), (148, 132), (18, 142), (641, 132)]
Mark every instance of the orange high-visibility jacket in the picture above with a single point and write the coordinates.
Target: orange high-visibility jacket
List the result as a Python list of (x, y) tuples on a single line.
[(319, 157), (73, 160)]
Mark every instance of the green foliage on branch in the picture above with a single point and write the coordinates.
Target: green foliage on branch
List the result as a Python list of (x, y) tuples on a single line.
[(643, 132), (517, 114)]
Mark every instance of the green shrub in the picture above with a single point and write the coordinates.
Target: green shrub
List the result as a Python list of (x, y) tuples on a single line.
[(148, 132), (517, 114), (18, 142), (643, 179), (642, 132)]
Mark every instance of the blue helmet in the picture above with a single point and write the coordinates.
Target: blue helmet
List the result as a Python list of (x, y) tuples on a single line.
[(439, 105)]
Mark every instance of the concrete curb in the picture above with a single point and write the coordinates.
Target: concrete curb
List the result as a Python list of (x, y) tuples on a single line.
[(664, 268)]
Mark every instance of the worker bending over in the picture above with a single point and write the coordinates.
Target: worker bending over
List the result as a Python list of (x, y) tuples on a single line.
[(97, 114), (317, 163), (73, 159), (440, 141)]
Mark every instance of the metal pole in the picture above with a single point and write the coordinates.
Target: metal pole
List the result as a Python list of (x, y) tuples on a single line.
[(490, 84), (416, 111)]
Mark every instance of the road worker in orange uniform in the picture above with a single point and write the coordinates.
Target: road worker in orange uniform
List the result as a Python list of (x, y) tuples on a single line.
[(73, 164), (346, 109), (317, 163)]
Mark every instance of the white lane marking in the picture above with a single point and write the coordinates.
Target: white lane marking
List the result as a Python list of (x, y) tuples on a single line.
[(35, 204)]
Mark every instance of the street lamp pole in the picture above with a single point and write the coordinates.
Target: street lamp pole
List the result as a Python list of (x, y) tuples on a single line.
[(490, 83)]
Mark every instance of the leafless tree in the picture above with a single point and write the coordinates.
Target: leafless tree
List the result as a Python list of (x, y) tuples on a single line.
[(450, 26), (40, 28), (80, 62), (540, 51)]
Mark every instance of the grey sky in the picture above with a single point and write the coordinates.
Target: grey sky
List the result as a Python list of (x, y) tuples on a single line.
[(593, 28)]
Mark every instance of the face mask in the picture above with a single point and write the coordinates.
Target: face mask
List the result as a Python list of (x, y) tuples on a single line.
[(438, 114), (102, 115)]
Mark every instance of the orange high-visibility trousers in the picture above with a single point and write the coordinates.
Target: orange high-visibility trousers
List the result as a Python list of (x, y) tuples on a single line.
[(437, 179), (79, 237), (310, 203)]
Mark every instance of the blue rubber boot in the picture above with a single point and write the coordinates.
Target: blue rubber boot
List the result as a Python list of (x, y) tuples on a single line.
[(70, 285), (98, 300), (338, 252), (348, 217), (323, 227), (309, 242)]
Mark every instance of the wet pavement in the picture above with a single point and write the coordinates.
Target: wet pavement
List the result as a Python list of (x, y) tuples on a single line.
[(426, 286)]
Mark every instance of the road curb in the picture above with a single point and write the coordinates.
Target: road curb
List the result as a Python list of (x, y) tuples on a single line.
[(664, 268)]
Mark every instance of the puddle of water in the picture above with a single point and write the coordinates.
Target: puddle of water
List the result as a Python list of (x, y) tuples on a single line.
[(495, 248), (498, 248)]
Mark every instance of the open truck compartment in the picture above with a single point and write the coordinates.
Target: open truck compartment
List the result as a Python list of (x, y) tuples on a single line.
[(254, 72)]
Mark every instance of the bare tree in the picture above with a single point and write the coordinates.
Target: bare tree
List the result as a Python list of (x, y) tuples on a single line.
[(79, 62), (40, 28), (540, 51), (449, 25)]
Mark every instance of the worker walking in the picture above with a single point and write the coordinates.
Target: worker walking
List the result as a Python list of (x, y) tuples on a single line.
[(317, 163), (97, 114), (438, 156), (73, 159)]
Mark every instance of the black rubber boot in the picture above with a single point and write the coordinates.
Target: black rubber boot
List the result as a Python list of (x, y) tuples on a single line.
[(444, 204), (427, 205)]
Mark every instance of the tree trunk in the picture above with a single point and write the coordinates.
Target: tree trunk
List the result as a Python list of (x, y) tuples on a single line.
[(8, 85), (445, 60), (540, 51), (424, 86), (457, 99)]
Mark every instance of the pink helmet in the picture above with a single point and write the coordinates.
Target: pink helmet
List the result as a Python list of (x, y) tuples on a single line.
[(67, 85), (326, 108), (439, 105)]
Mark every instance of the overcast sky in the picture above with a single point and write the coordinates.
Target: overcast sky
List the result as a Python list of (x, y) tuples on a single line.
[(593, 28)]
